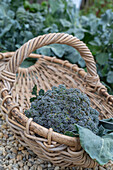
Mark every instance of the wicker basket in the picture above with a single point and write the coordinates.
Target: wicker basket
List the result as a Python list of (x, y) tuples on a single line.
[(15, 89)]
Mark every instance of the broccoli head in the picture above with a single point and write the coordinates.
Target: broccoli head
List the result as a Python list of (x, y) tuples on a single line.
[(60, 108)]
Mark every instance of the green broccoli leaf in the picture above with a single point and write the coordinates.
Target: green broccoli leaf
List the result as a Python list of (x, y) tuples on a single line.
[(107, 123), (34, 92), (99, 148), (102, 58), (110, 77)]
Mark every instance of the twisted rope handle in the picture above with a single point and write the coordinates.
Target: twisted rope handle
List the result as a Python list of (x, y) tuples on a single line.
[(53, 38)]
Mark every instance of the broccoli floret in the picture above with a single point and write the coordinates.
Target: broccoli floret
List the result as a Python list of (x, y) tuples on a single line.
[(60, 108)]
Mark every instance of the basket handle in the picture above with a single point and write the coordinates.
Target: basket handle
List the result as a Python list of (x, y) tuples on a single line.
[(53, 38)]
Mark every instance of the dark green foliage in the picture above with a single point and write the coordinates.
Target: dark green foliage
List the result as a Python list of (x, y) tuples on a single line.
[(101, 131), (21, 21), (61, 108), (34, 91), (98, 37), (105, 126)]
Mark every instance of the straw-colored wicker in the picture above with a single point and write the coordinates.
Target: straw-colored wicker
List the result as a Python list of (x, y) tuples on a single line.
[(16, 85)]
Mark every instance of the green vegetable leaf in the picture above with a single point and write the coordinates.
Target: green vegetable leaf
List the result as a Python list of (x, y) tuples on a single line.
[(102, 58), (65, 23), (27, 63), (106, 17), (105, 69), (81, 62), (58, 50), (110, 77), (34, 92), (99, 148), (107, 123), (72, 55), (111, 37), (28, 35), (46, 50)]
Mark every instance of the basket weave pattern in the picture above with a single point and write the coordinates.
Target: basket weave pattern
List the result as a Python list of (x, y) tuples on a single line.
[(16, 85)]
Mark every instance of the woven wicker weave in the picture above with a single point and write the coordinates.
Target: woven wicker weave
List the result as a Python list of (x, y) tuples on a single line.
[(16, 85)]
